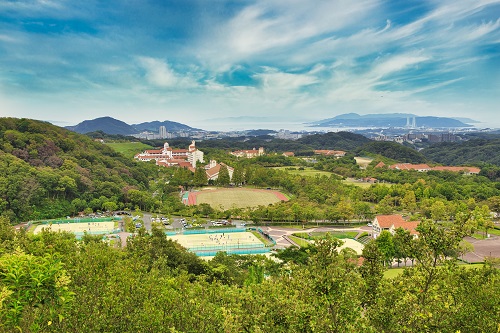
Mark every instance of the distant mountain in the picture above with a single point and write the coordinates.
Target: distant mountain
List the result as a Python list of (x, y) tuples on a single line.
[(111, 125), (171, 126), (466, 120), (388, 120), (106, 124)]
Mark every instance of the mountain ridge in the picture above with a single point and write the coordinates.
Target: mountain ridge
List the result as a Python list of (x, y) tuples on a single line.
[(388, 120), (110, 125)]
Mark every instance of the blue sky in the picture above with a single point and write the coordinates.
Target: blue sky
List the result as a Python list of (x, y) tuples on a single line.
[(275, 61)]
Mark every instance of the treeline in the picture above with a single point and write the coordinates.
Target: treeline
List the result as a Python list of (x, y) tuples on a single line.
[(47, 172), (473, 152), (50, 282)]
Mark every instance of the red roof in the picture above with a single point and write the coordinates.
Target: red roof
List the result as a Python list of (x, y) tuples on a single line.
[(397, 221), (154, 151), (387, 221), (409, 166)]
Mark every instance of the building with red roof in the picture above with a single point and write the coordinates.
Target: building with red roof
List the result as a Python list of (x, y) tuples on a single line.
[(391, 223), (172, 157)]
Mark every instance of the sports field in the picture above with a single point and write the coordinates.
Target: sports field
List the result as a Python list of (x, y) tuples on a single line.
[(218, 241), (236, 197), (78, 228)]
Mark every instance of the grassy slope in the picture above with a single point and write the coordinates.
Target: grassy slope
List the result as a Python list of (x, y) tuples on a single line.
[(129, 149)]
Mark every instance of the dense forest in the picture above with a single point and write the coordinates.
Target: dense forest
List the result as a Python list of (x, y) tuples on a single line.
[(475, 151), (51, 282), (47, 171)]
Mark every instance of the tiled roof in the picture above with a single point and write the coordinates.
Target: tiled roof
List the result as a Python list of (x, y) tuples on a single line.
[(397, 221), (409, 166), (387, 221)]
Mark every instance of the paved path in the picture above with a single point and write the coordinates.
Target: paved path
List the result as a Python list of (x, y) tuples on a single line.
[(483, 248), (279, 234)]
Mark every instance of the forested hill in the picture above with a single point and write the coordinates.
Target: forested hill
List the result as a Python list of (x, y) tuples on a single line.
[(474, 151), (332, 140), (47, 171), (393, 151), (336, 141)]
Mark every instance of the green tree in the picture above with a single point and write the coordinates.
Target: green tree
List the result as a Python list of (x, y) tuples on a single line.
[(200, 177), (33, 291), (238, 176), (223, 179), (385, 244)]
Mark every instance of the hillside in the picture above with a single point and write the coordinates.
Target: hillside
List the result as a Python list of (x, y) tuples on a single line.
[(393, 151), (481, 150), (105, 124), (48, 171), (331, 140)]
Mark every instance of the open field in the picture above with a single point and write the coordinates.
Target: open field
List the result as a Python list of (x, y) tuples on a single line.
[(308, 171), (236, 197), (129, 149), (363, 161), (78, 228), (396, 271)]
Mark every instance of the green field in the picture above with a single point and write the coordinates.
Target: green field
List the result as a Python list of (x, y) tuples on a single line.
[(299, 241), (236, 198), (129, 149), (322, 234), (395, 272), (308, 171)]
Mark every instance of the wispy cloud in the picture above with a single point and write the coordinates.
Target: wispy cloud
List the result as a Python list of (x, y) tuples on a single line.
[(256, 57)]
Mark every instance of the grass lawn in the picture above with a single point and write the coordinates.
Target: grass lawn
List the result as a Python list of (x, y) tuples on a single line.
[(299, 241), (480, 233), (129, 149), (239, 198), (395, 272), (308, 171), (322, 234), (264, 240), (363, 161)]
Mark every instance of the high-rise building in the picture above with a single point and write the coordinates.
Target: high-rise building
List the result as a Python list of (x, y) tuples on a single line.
[(162, 132)]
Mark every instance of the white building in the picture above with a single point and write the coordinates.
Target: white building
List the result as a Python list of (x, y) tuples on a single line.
[(162, 131)]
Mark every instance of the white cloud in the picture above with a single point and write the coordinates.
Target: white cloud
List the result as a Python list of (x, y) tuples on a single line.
[(273, 79), (396, 63), (271, 26), (160, 74)]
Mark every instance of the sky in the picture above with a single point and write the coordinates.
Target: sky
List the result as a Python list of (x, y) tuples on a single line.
[(222, 65)]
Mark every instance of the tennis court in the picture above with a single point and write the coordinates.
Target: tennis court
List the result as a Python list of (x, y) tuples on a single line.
[(78, 228), (231, 242)]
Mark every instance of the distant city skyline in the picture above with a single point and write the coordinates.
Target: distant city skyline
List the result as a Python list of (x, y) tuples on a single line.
[(288, 62)]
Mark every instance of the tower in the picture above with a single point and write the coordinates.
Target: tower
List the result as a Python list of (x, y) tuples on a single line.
[(162, 132)]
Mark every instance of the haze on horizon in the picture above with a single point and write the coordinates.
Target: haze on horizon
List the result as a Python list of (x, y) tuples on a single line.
[(190, 61)]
